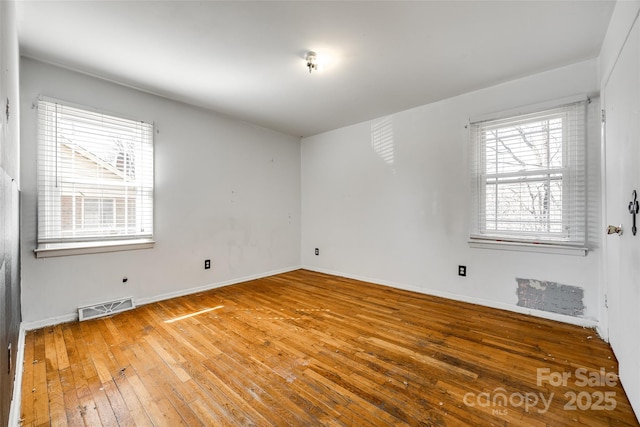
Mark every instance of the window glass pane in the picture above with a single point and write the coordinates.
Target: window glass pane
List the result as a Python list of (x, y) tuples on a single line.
[(517, 201), (525, 147), (91, 217), (525, 207)]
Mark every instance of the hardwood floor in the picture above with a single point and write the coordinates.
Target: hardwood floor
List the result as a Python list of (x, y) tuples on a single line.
[(304, 348)]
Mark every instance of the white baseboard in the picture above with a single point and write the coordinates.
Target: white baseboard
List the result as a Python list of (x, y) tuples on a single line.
[(14, 409), (578, 321), (183, 292), (604, 334), (37, 324), (28, 326)]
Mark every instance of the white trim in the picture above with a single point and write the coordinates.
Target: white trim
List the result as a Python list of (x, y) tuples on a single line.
[(14, 408), (162, 297), (528, 247), (82, 248), (148, 300), (51, 321), (604, 82), (578, 321), (602, 332)]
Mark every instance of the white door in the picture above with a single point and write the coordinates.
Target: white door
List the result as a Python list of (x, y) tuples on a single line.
[(621, 100)]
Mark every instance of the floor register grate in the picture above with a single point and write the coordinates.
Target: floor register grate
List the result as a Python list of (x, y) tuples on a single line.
[(105, 308)]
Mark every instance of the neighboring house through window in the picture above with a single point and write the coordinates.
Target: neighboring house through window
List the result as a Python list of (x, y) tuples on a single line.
[(95, 179)]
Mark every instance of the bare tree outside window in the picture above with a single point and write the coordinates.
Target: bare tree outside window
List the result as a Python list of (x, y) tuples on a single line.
[(524, 177)]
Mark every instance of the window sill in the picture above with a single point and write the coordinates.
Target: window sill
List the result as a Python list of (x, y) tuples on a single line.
[(528, 247), (82, 248)]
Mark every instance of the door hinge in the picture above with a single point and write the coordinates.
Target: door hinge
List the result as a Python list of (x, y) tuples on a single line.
[(603, 116), (606, 301)]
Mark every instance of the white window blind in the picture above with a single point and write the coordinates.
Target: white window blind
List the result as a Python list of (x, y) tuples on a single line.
[(529, 177), (95, 176)]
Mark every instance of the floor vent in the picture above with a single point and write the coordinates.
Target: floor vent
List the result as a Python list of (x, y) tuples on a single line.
[(105, 308)]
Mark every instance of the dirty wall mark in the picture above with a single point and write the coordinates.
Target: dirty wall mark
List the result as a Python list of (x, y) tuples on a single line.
[(550, 296)]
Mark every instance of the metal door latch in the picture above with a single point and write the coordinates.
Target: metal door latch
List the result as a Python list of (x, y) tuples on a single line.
[(634, 207)]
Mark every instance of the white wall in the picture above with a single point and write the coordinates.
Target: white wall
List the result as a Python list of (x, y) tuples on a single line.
[(620, 87), (225, 190), (9, 216), (405, 223), (9, 130)]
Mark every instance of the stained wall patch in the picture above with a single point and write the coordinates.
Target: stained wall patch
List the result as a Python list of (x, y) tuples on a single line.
[(550, 296)]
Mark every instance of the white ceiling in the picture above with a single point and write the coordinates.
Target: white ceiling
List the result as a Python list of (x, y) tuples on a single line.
[(246, 58)]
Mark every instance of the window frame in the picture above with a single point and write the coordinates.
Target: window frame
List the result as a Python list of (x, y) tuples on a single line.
[(72, 242), (574, 179)]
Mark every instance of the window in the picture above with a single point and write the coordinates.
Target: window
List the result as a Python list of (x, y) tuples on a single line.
[(529, 178), (95, 178)]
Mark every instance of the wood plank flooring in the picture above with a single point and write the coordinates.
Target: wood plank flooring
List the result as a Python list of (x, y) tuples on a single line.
[(304, 349)]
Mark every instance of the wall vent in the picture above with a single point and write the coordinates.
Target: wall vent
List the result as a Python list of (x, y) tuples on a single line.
[(105, 308)]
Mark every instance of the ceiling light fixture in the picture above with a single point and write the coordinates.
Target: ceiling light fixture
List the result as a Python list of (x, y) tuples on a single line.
[(312, 61)]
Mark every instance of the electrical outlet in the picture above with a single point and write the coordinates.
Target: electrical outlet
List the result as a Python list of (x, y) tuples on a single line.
[(462, 270), (207, 264), (317, 251)]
